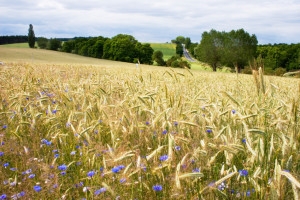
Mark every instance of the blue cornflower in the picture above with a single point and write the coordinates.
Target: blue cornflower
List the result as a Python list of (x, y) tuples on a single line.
[(177, 148), (122, 167), (5, 164), (115, 169), (37, 188), (233, 111), (28, 171), (244, 140), (101, 169), (62, 167), (21, 194), (73, 153), (91, 173), (63, 173), (96, 132), (165, 131), (147, 123), (78, 163), (175, 123), (248, 193), (286, 170), (196, 170), (49, 143), (3, 196), (44, 141), (157, 187), (1, 153), (123, 180), (27, 98), (54, 111), (55, 186), (97, 192), (243, 172), (4, 126), (31, 176), (56, 155), (209, 131), (164, 157)]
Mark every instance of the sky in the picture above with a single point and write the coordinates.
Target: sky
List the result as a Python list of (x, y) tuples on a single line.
[(272, 21)]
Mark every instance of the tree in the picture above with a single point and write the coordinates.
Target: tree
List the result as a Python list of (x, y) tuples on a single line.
[(54, 44), (42, 42), (144, 53), (68, 46), (120, 48), (239, 48), (180, 39), (31, 36), (179, 49), (158, 58), (187, 42), (210, 48)]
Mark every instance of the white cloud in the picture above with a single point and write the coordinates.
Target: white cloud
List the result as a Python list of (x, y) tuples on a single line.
[(152, 21)]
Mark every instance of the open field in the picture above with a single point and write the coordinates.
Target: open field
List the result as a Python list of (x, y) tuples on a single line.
[(73, 127), (52, 57), (168, 49), (16, 45)]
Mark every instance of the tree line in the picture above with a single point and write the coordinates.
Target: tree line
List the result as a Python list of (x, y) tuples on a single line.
[(13, 39), (280, 58), (119, 48)]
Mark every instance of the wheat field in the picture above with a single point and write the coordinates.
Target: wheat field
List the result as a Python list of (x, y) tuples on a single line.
[(115, 131)]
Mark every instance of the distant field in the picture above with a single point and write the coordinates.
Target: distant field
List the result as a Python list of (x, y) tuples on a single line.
[(168, 50), (16, 45)]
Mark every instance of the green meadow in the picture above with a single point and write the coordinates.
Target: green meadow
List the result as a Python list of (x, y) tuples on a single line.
[(74, 127), (167, 49)]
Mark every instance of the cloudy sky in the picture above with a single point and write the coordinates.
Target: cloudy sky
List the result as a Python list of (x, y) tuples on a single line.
[(272, 21)]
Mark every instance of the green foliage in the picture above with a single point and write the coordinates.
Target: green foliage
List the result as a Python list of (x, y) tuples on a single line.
[(31, 36), (120, 48), (280, 55), (191, 48), (144, 53), (187, 42), (211, 47), (42, 42), (158, 58), (180, 39), (239, 48), (233, 49), (54, 44), (68, 46), (177, 62), (179, 49)]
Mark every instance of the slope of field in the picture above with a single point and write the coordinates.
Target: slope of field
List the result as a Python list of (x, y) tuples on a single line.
[(167, 49), (108, 130), (47, 56)]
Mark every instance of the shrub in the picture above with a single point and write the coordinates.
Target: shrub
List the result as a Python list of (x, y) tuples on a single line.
[(280, 71)]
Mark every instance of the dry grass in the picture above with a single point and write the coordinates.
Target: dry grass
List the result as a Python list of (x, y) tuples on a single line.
[(208, 125)]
